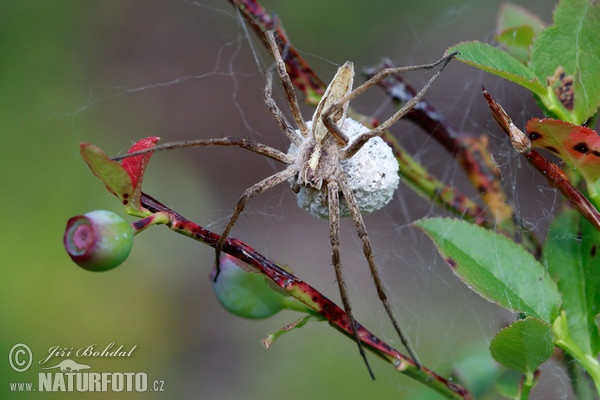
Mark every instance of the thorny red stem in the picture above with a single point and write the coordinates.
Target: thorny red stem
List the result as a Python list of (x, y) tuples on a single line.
[(302, 291)]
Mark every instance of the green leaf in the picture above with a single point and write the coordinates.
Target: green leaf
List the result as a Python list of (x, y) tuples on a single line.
[(513, 16), (476, 370), (516, 28), (517, 41), (509, 384), (498, 62), (495, 267), (121, 179), (566, 54), (524, 345), (572, 256), (110, 172)]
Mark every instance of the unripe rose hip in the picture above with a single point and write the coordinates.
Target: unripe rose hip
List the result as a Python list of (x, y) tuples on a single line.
[(99, 240)]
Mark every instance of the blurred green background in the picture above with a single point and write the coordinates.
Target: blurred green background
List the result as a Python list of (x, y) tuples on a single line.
[(110, 72)]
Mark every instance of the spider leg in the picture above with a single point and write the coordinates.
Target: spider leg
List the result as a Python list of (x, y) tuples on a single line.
[(368, 252), (247, 144), (362, 139), (286, 82), (264, 185), (334, 235), (281, 120)]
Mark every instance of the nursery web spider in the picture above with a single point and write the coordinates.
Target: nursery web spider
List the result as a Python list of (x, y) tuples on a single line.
[(321, 147)]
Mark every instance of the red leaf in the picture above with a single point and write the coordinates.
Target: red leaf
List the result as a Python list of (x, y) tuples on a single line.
[(577, 145), (135, 165)]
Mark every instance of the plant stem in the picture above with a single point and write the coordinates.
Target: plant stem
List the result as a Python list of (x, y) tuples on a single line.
[(565, 342), (471, 152), (158, 218), (527, 386), (301, 74), (304, 293), (554, 175)]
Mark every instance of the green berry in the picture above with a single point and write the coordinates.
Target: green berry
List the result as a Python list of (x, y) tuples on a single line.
[(99, 240), (244, 292)]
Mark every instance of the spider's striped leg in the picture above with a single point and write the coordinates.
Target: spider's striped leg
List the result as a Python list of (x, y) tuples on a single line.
[(334, 235), (286, 82), (368, 252), (405, 109), (252, 191), (279, 117)]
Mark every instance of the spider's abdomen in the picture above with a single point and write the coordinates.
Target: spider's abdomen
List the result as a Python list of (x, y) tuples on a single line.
[(372, 174)]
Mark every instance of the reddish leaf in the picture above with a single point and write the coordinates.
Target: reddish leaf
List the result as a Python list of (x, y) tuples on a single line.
[(135, 165), (577, 145), (124, 179)]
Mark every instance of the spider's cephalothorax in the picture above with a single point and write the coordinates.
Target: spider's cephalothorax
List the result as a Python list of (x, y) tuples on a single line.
[(318, 159)]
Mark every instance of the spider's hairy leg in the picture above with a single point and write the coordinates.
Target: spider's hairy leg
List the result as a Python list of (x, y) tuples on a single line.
[(278, 116), (381, 75), (334, 235), (288, 87), (246, 144), (262, 186), (368, 253)]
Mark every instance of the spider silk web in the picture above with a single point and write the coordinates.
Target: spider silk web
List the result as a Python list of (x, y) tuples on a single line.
[(193, 69)]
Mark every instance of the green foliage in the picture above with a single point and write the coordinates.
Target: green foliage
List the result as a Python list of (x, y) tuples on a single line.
[(110, 172), (124, 180), (477, 371), (571, 43), (559, 296), (498, 62), (503, 272), (509, 384), (523, 346), (572, 257), (557, 63), (516, 29), (495, 267)]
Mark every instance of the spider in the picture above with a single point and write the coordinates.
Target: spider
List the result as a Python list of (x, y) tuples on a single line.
[(316, 163)]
